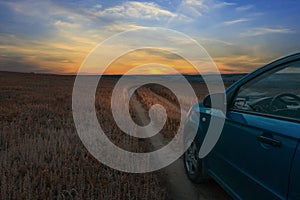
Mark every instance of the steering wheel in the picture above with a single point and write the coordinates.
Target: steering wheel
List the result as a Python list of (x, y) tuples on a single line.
[(279, 98)]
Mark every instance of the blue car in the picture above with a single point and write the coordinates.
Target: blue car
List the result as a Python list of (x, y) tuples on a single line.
[(257, 155)]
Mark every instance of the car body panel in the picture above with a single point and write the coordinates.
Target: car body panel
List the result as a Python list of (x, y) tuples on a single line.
[(294, 190), (251, 168)]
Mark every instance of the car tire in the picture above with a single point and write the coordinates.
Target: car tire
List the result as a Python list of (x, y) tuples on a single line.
[(193, 164)]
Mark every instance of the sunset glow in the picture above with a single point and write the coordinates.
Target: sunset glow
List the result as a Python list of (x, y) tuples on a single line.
[(55, 36), (144, 57)]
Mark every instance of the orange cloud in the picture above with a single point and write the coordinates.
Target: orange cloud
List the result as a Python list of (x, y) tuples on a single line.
[(153, 56)]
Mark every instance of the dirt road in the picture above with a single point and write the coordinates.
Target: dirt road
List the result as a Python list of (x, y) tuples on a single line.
[(174, 177)]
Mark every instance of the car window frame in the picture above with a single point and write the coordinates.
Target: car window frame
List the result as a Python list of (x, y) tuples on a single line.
[(267, 71)]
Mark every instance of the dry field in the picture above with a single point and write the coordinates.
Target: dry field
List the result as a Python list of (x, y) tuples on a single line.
[(41, 156)]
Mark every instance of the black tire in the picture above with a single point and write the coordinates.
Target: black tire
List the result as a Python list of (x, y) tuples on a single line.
[(193, 164)]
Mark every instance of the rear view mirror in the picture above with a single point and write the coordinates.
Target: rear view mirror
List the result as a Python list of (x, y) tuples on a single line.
[(216, 101)]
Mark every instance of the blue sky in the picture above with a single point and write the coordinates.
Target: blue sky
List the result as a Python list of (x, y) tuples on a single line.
[(55, 36)]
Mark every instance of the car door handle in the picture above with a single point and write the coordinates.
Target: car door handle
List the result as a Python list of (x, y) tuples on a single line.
[(269, 141)]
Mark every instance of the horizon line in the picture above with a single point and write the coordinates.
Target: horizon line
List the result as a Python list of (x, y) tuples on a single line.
[(90, 74)]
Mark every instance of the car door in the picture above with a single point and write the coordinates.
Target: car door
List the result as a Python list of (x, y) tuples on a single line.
[(294, 185), (254, 154)]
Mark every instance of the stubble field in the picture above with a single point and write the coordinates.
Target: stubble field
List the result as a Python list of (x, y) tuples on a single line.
[(42, 157)]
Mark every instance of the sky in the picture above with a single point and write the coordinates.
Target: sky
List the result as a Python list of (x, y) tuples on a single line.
[(54, 36)]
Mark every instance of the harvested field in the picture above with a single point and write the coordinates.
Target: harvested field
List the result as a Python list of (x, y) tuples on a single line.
[(41, 156)]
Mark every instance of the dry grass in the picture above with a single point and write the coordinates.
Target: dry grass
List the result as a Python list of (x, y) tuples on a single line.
[(41, 156)]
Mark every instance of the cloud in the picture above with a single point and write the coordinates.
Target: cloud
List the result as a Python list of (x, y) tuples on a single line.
[(70, 33), (50, 56), (223, 4), (214, 42), (64, 24), (44, 9), (20, 64), (137, 10), (239, 63), (264, 31), (53, 35), (162, 53), (196, 8), (142, 57), (244, 8), (237, 21), (119, 27)]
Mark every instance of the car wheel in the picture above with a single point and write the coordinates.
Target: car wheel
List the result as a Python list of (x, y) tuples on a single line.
[(193, 164)]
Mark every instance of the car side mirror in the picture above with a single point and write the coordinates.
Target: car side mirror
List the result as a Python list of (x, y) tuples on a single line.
[(216, 101)]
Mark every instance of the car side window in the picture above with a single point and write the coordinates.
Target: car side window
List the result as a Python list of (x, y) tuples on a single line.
[(276, 93)]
